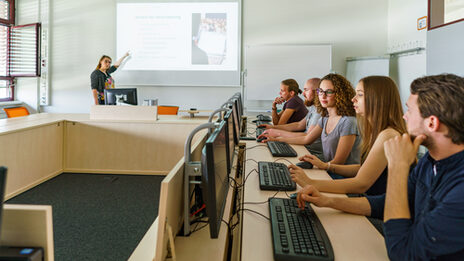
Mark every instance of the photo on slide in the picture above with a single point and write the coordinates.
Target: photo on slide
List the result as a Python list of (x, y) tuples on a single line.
[(209, 38)]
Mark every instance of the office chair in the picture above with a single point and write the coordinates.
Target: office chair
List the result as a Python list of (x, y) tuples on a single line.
[(16, 112), (168, 110)]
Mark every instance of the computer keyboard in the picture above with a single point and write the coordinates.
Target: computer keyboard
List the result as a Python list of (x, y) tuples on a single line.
[(281, 149), (297, 234), (263, 118), (259, 131), (318, 154), (258, 122), (274, 176)]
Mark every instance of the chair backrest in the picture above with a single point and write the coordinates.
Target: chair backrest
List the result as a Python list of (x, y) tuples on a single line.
[(168, 110), (16, 112)]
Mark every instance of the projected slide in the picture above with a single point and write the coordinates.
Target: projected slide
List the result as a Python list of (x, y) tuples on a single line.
[(178, 36)]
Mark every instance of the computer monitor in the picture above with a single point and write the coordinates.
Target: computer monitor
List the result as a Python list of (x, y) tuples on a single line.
[(121, 96), (236, 121), (215, 179), (239, 103), (2, 192), (229, 121)]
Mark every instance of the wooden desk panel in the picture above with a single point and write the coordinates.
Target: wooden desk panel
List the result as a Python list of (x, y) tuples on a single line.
[(352, 236), (31, 156), (125, 148)]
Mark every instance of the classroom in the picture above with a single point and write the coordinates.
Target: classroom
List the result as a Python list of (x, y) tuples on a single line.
[(87, 180)]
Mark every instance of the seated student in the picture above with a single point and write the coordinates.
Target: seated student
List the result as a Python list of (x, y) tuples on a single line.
[(295, 129), (378, 106), (423, 210), (294, 109), (337, 127)]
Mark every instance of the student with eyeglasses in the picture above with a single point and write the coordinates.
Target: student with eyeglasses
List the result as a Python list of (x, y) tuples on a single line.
[(378, 106), (337, 127), (101, 79)]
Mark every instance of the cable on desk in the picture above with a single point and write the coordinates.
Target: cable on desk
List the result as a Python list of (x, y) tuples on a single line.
[(251, 132), (256, 212), (263, 202), (285, 160), (198, 229), (255, 147), (235, 167), (246, 177)]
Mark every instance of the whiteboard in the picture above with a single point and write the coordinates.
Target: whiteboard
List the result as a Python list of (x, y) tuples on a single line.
[(360, 67), (267, 65)]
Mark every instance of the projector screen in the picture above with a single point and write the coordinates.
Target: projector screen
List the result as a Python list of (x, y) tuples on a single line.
[(179, 43)]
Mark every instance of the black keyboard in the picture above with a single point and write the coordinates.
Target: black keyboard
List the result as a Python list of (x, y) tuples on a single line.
[(261, 123), (274, 176), (297, 234), (318, 154), (264, 118), (281, 149), (259, 131)]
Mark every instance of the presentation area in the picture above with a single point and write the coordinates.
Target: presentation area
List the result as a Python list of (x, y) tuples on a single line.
[(178, 36)]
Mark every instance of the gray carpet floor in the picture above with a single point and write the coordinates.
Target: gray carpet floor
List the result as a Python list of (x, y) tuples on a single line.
[(96, 216)]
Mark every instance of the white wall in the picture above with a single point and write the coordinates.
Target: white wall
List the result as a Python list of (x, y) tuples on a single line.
[(445, 51), (81, 31), (402, 24), (403, 35)]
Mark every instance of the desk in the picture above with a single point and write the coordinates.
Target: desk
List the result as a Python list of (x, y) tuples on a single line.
[(353, 237), (41, 146)]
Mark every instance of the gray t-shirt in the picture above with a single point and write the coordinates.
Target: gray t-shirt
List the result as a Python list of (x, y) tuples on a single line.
[(345, 126), (312, 118)]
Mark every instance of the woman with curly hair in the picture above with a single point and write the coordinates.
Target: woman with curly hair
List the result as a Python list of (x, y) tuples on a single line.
[(378, 106), (337, 127)]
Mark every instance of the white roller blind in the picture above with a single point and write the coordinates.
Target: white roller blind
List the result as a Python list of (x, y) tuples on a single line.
[(24, 46)]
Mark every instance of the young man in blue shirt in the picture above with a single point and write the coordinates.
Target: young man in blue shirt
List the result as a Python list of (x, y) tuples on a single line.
[(423, 210)]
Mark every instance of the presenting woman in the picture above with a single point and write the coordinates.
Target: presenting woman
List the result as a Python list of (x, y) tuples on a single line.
[(101, 79)]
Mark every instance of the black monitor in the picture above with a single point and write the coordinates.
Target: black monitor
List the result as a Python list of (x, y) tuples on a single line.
[(238, 102), (215, 178), (231, 105), (229, 121), (2, 192), (121, 95)]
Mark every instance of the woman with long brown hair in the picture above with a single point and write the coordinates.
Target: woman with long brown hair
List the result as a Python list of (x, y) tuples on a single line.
[(337, 128), (378, 107), (101, 79)]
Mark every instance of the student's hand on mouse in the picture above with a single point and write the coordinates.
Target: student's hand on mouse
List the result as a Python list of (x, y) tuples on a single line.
[(272, 133), (310, 194), (314, 160), (267, 126), (263, 135), (400, 150), (299, 176)]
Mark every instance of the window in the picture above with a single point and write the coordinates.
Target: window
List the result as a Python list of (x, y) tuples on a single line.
[(19, 50), (6, 90), (6, 20), (444, 12)]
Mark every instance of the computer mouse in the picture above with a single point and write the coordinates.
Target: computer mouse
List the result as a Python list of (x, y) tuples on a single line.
[(261, 139), (304, 165), (293, 195)]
